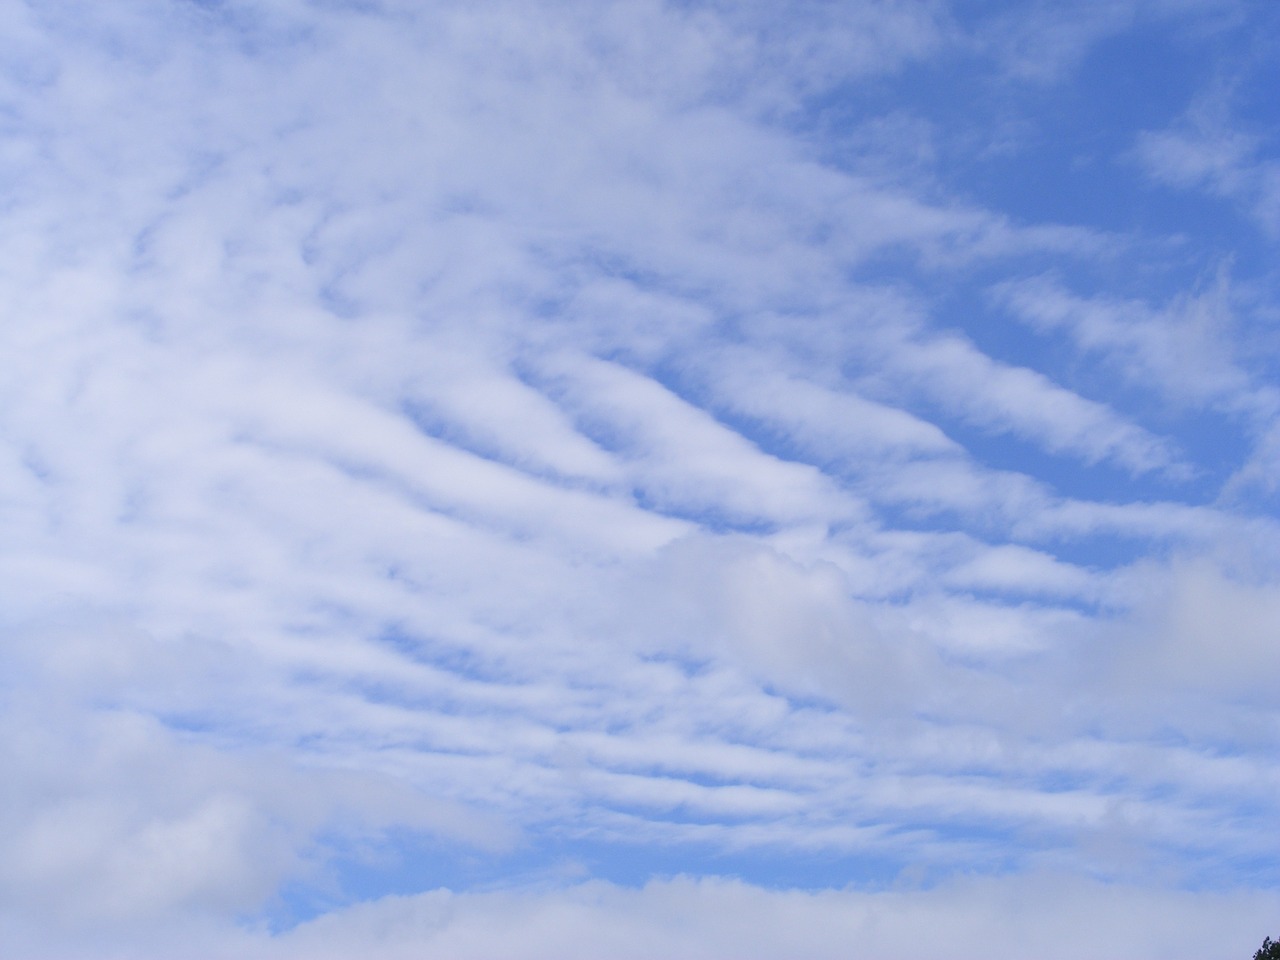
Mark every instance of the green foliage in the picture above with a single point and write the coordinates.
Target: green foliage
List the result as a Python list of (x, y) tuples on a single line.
[(1270, 950)]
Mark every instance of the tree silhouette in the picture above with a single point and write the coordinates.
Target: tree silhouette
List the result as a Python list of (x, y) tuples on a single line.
[(1270, 950)]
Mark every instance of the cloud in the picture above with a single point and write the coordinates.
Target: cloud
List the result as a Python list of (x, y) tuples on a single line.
[(1206, 149), (1208, 630), (500, 438), (1026, 403), (1047, 41), (1182, 349), (119, 815), (685, 917), (716, 918)]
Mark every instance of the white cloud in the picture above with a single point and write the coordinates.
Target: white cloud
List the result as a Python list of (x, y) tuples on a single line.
[(1026, 403), (1021, 570), (378, 386), (690, 918), (1184, 349), (719, 918), (1207, 149), (682, 459), (1207, 629), (1046, 41)]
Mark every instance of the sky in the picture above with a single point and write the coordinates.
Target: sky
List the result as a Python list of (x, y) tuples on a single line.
[(684, 478)]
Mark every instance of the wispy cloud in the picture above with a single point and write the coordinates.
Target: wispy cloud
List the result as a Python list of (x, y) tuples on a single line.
[(1183, 349), (1208, 150)]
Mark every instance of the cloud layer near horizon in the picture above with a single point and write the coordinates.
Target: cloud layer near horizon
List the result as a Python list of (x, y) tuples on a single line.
[(532, 452)]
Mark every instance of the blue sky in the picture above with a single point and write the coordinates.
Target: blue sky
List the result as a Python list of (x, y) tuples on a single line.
[(695, 479)]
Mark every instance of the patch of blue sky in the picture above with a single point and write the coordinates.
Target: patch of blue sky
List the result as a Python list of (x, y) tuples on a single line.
[(1066, 473), (396, 862), (1256, 869), (438, 650), (405, 863), (689, 666), (1046, 152), (1071, 166), (712, 519)]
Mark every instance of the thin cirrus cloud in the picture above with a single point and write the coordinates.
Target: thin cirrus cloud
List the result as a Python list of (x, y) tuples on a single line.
[(1208, 150), (474, 461)]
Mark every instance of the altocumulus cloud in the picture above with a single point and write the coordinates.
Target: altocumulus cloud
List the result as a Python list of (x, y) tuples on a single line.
[(629, 479)]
